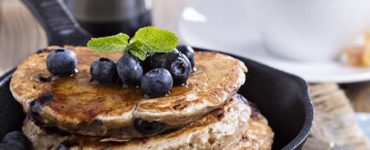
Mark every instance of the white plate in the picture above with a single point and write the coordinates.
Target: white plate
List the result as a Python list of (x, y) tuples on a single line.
[(224, 26)]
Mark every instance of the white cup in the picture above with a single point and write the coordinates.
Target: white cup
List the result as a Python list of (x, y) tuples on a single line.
[(309, 30)]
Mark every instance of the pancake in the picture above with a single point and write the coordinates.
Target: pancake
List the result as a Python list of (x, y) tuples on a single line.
[(75, 105), (229, 127)]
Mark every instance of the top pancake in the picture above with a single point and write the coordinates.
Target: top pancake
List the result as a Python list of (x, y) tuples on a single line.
[(75, 105)]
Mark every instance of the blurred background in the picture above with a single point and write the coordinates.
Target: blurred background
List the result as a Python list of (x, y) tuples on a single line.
[(325, 42), (21, 34)]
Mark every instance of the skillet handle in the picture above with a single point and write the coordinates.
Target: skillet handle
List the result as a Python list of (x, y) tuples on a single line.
[(58, 22)]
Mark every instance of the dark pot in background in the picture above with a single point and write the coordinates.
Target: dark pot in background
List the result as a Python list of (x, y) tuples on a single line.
[(109, 17)]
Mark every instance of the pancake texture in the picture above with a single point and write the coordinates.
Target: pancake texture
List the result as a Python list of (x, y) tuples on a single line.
[(75, 105), (229, 127)]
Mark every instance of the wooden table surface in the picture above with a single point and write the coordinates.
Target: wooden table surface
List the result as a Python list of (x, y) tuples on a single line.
[(21, 35)]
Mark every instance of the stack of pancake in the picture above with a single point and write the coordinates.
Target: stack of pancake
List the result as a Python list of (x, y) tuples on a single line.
[(72, 113)]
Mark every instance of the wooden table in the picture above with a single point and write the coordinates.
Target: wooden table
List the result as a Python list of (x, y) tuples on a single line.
[(21, 35)]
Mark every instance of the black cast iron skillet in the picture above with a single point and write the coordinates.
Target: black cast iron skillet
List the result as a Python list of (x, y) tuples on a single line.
[(281, 97)]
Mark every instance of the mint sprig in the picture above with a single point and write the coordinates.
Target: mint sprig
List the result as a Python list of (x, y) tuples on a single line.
[(155, 39), (109, 43), (137, 49), (147, 39)]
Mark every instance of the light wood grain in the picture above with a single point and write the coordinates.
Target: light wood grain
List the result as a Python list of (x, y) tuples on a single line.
[(20, 34), (360, 95), (334, 122)]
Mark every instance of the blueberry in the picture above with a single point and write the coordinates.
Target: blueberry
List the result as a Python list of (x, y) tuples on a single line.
[(61, 62), (157, 82), (146, 63), (129, 70), (104, 71), (176, 63), (147, 127), (36, 106), (8, 147), (158, 60), (155, 61), (179, 67), (17, 140), (188, 51)]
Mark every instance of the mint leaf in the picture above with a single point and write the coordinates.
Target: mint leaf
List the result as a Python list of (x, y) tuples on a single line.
[(147, 39), (155, 39), (109, 43), (137, 49)]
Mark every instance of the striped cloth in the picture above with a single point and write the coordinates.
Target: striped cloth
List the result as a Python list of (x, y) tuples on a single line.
[(334, 125)]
